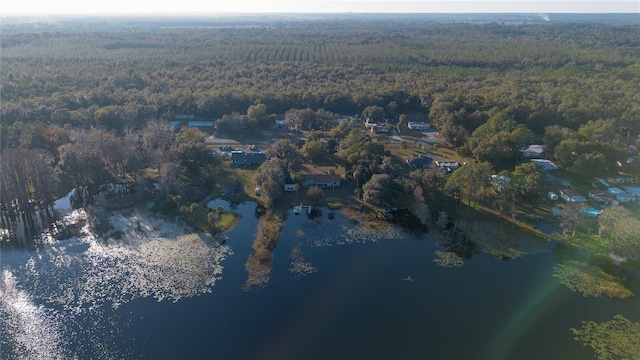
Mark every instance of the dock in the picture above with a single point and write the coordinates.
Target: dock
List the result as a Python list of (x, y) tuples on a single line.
[(298, 208)]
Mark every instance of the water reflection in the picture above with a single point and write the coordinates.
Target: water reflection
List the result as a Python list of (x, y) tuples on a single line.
[(84, 275), (28, 331), (160, 261)]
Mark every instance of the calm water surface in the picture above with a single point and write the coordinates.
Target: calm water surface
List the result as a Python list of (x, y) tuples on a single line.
[(375, 295)]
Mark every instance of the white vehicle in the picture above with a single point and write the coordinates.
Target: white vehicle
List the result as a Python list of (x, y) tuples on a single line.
[(552, 196)]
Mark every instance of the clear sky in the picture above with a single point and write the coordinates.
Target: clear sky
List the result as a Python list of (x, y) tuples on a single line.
[(107, 7)]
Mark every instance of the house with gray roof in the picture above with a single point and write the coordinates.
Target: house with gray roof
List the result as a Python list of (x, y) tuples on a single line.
[(419, 162), (246, 159)]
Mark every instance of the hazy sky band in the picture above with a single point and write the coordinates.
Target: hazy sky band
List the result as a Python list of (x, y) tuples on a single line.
[(10, 7)]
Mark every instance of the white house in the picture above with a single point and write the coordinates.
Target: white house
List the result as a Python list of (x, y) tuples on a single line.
[(323, 181), (533, 151), (447, 165), (418, 125)]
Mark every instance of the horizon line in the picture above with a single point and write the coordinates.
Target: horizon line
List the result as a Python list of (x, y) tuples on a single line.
[(263, 13)]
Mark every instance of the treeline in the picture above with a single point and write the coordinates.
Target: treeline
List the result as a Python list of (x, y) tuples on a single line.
[(559, 73)]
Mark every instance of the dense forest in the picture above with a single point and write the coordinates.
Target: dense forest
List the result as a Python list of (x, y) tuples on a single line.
[(540, 73), (80, 95)]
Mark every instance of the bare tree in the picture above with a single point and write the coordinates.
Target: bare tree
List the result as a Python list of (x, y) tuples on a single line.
[(121, 154), (169, 179), (27, 178), (82, 159), (156, 144)]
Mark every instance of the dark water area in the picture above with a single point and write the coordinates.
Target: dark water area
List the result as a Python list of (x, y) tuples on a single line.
[(372, 295)]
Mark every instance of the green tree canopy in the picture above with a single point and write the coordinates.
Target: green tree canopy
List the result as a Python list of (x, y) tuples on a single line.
[(270, 177), (285, 152), (191, 150), (314, 150), (470, 180)]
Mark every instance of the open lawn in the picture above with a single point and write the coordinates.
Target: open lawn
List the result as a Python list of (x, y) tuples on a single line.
[(441, 152), (401, 152)]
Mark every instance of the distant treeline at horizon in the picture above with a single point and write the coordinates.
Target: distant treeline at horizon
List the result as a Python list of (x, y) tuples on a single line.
[(120, 73)]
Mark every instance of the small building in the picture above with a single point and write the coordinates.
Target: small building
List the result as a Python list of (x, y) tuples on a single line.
[(323, 181), (499, 181), (201, 124), (615, 191), (545, 165), (447, 165), (571, 196), (376, 128), (633, 190), (533, 151), (175, 125), (246, 159), (603, 197), (289, 184), (419, 125), (419, 162), (185, 116), (621, 195)]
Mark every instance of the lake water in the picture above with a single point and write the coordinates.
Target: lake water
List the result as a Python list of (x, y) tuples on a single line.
[(364, 295)]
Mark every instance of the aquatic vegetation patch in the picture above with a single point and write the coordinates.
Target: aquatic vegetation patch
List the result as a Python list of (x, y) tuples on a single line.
[(448, 259), (154, 258), (590, 280), (502, 241), (350, 234), (299, 267), (614, 339)]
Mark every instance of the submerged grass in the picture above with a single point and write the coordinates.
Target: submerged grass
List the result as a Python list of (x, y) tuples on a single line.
[(590, 280), (598, 245)]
